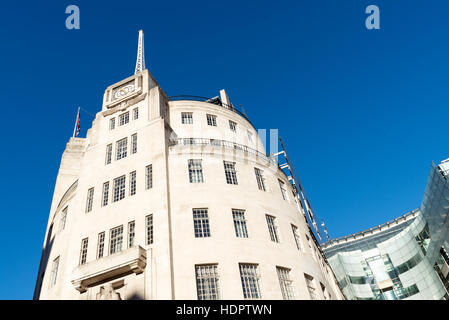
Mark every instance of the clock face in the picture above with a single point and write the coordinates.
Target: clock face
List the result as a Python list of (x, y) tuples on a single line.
[(123, 91)]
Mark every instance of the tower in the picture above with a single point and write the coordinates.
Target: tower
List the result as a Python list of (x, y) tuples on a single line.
[(175, 198)]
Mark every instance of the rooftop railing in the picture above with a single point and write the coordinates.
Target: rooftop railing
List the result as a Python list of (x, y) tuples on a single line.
[(215, 100), (370, 231)]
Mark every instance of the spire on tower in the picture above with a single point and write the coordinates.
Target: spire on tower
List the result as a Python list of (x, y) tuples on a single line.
[(140, 63)]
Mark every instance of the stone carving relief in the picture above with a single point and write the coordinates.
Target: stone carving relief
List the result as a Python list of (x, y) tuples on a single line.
[(107, 292)]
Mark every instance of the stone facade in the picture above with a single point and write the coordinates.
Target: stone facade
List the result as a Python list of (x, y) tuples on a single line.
[(164, 267)]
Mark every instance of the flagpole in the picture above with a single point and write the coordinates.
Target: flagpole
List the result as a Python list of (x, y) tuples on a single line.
[(76, 122)]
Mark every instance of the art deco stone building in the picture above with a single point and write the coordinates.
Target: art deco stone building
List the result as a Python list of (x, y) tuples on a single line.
[(403, 259), (176, 199)]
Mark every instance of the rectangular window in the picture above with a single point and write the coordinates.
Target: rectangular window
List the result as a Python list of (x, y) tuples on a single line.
[(108, 153), (132, 183), (310, 282), (260, 179), (112, 124), (211, 120), (232, 125), (272, 228), (121, 149), (119, 188), (135, 113), (286, 283), (149, 228), (283, 190), (63, 219), (54, 272), (297, 238), (326, 294), (83, 253), (249, 274), (149, 177), (116, 241), (90, 199), (123, 119), (105, 200), (201, 223), (207, 284), (131, 233), (309, 242), (186, 118), (231, 174), (240, 223), (195, 171), (100, 248), (134, 143)]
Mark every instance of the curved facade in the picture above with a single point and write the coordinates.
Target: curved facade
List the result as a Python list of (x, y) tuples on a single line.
[(169, 199), (401, 259)]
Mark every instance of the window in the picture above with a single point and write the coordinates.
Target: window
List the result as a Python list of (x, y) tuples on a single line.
[(135, 113), (63, 219), (201, 223), (232, 125), (149, 177), (207, 284), (123, 119), (83, 253), (231, 175), (239, 223), (195, 171), (310, 247), (112, 124), (272, 228), (121, 149), (131, 233), (297, 238), (326, 294), (310, 282), (149, 227), (108, 153), (260, 179), (105, 200), (100, 248), (116, 240), (249, 274), (286, 283), (119, 188), (134, 143), (90, 199), (132, 183), (54, 272), (211, 120), (283, 190), (186, 117)]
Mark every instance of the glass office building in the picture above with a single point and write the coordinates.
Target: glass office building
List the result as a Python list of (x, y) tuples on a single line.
[(405, 258)]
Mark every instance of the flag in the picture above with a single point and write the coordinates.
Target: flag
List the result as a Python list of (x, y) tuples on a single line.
[(76, 130), (78, 124)]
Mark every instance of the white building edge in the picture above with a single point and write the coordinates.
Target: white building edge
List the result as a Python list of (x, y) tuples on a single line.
[(169, 199)]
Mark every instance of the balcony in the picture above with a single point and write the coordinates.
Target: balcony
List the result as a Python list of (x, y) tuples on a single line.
[(132, 260)]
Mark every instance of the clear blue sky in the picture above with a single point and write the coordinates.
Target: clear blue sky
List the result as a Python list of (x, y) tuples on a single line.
[(362, 113)]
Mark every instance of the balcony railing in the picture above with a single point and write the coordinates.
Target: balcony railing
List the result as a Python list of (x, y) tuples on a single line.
[(221, 143)]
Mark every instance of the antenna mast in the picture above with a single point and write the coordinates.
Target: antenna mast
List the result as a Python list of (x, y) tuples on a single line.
[(140, 62)]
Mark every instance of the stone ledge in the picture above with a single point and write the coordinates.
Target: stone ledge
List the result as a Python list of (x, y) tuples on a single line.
[(132, 260)]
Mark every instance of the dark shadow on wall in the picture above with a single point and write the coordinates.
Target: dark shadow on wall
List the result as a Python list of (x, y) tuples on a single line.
[(43, 264), (135, 296)]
